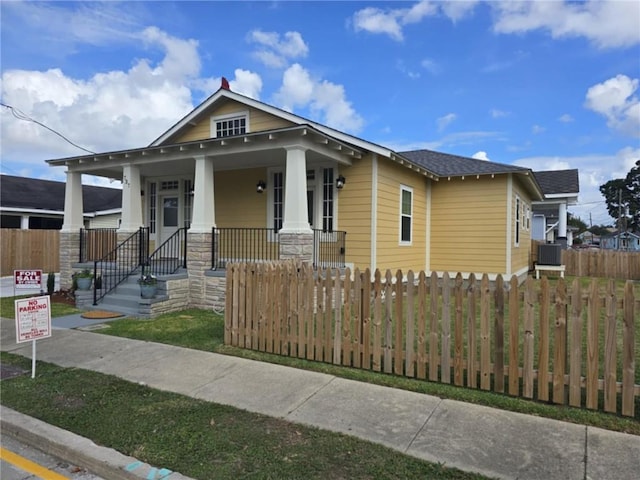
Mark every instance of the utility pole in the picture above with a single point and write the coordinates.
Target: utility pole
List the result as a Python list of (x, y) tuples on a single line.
[(619, 215)]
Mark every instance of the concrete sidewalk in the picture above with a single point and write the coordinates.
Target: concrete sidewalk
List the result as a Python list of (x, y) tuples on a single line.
[(492, 442)]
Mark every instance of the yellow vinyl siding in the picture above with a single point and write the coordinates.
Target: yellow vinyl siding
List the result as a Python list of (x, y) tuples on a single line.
[(468, 231), (520, 254), (354, 211), (390, 253), (258, 121), (237, 202)]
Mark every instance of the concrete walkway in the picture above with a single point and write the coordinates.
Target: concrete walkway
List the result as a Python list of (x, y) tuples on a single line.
[(492, 442)]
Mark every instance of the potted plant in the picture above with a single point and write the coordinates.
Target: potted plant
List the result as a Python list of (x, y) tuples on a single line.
[(83, 279), (148, 285)]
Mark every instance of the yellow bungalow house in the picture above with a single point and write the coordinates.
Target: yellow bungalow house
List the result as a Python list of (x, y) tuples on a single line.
[(237, 179)]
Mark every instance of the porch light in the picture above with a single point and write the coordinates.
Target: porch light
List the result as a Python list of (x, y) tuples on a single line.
[(260, 186), (340, 181)]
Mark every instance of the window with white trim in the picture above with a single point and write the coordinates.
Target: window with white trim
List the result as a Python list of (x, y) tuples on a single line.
[(278, 200), (517, 225), (152, 207), (327, 200), (406, 214), (229, 125), (188, 201)]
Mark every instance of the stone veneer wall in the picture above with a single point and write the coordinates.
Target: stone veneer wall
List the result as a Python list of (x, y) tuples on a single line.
[(69, 254), (198, 262), (177, 291), (296, 245)]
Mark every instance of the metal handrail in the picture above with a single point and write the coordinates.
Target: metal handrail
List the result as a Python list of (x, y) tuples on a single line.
[(243, 245), (112, 269), (170, 256), (329, 248), (95, 241)]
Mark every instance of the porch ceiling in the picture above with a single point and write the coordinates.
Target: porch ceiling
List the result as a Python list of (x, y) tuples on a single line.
[(261, 149)]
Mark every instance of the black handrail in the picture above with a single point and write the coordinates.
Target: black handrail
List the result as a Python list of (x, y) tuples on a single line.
[(329, 248), (243, 245), (170, 256), (95, 242), (112, 269)]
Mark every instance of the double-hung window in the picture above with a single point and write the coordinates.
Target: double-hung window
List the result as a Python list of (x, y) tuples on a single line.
[(406, 214)]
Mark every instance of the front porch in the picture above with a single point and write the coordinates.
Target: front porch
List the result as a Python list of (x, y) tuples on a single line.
[(190, 267)]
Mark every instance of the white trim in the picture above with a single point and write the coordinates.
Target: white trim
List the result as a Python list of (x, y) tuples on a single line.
[(358, 142), (217, 118), (401, 242), (509, 222), (427, 266), (517, 221), (374, 210), (59, 213)]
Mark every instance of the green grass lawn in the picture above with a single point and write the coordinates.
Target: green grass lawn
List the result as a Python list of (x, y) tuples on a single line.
[(200, 439), (204, 330), (7, 307)]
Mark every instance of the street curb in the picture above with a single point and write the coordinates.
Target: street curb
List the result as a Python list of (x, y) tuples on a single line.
[(105, 462)]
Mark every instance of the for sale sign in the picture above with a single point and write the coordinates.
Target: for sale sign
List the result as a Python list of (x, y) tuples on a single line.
[(33, 319), (27, 278)]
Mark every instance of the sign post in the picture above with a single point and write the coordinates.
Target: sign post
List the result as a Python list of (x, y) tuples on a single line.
[(33, 321)]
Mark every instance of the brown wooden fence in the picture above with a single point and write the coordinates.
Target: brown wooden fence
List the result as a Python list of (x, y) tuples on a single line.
[(568, 344), (29, 249), (602, 263)]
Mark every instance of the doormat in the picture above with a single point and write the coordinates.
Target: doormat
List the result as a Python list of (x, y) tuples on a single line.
[(101, 314)]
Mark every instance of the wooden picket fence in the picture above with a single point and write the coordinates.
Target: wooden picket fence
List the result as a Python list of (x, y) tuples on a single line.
[(602, 263), (29, 250), (567, 344)]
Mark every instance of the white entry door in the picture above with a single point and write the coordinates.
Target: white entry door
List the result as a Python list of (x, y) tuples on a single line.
[(169, 213)]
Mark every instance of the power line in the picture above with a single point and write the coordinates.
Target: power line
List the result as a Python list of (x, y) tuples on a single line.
[(23, 116)]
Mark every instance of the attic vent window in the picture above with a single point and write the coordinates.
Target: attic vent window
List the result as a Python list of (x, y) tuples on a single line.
[(229, 125)]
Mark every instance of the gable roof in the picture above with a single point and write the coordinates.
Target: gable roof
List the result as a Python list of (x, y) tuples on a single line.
[(31, 193), (558, 182), (223, 94)]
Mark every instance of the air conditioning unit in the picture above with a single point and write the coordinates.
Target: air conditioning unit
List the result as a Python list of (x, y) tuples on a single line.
[(550, 254)]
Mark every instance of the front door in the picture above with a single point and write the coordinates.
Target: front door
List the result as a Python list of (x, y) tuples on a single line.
[(169, 211)]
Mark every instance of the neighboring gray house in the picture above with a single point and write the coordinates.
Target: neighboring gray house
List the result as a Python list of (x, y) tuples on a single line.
[(549, 217), (626, 241), (30, 203)]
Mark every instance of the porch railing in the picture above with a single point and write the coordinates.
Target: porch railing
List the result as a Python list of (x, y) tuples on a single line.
[(114, 267), (329, 249), (170, 256), (263, 244), (95, 243), (243, 245)]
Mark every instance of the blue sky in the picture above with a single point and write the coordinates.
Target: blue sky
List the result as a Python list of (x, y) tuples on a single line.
[(547, 84)]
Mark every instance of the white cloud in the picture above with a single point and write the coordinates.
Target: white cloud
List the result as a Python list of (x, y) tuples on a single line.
[(391, 21), (594, 170), (407, 71), (480, 156), (445, 120), (606, 23), (276, 51), (615, 100), (326, 101), (108, 111), (565, 118), (431, 66), (495, 113), (537, 129)]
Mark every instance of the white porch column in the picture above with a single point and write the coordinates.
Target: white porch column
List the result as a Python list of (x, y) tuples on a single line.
[(24, 222), (204, 211), (562, 220), (73, 203), (295, 192), (131, 199)]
